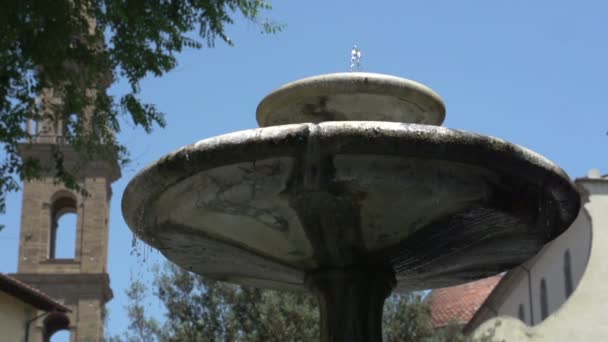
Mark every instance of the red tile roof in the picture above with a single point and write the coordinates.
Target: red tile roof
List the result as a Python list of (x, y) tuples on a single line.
[(29, 294), (459, 303)]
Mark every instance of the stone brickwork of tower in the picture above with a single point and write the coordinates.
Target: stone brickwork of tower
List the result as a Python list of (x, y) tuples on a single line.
[(81, 283)]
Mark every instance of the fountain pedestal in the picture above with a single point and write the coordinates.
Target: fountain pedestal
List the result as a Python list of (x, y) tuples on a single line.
[(351, 302)]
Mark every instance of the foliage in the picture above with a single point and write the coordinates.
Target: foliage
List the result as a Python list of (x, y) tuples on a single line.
[(201, 310), (58, 57), (406, 316), (198, 309)]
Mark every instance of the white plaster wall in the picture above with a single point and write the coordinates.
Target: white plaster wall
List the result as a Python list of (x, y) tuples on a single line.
[(13, 315), (549, 264), (518, 295)]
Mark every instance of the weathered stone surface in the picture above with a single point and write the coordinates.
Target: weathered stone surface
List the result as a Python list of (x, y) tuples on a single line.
[(439, 206), (352, 203), (349, 96)]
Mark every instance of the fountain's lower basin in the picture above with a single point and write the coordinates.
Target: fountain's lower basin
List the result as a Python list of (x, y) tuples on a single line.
[(268, 206)]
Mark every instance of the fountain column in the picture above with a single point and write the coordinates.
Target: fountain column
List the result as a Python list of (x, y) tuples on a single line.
[(351, 302)]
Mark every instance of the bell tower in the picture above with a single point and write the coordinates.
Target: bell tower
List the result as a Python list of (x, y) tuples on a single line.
[(81, 282)]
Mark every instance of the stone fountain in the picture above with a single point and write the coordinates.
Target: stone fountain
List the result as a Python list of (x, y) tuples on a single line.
[(350, 190)]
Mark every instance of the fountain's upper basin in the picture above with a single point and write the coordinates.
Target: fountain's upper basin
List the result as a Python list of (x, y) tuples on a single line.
[(265, 206), (356, 96)]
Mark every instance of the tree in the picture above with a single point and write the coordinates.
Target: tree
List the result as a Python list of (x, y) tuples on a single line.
[(406, 316), (198, 309), (202, 310), (58, 57)]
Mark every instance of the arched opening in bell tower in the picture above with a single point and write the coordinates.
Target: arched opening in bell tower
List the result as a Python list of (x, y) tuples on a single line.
[(64, 220), (57, 328)]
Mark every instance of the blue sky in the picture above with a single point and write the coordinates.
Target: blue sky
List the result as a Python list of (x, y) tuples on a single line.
[(531, 72)]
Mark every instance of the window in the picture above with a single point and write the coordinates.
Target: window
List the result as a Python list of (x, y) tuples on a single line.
[(70, 126), (62, 244), (544, 304), (521, 313), (567, 274)]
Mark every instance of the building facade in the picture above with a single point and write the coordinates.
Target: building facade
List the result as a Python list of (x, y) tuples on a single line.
[(81, 282)]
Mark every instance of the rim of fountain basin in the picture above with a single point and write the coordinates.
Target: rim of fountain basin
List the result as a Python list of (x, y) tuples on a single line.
[(351, 137), (356, 96)]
